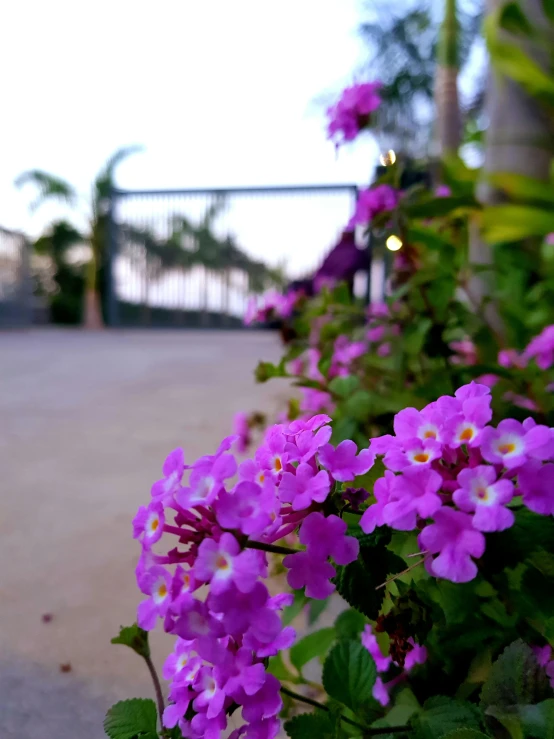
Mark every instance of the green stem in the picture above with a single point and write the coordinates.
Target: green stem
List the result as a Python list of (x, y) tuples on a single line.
[(274, 548), (322, 707), (157, 688)]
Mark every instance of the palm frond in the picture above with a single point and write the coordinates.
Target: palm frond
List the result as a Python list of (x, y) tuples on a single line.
[(105, 178), (49, 187)]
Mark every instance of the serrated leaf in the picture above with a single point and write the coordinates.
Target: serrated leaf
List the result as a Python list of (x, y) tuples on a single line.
[(349, 674), (135, 638), (311, 646), (132, 719), (357, 582), (349, 624), (309, 725), (538, 721), (515, 678), (441, 716)]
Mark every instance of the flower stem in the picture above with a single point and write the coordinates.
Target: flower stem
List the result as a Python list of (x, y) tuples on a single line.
[(322, 707), (274, 548), (157, 687)]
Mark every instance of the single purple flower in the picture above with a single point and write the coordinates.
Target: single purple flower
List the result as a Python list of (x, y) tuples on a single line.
[(305, 570), (173, 469), (155, 582), (309, 424), (304, 486), (197, 622), (271, 455), (182, 697), (181, 666), (222, 563), (343, 463), (306, 444), (541, 348), (207, 480), (250, 508), (148, 524), (373, 516), (380, 692), (326, 537), (244, 675), (536, 483), (511, 444), (412, 452), (413, 424), (211, 695), (266, 703), (481, 493), (414, 493), (454, 539)]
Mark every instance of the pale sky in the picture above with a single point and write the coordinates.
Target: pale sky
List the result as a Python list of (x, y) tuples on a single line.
[(220, 93)]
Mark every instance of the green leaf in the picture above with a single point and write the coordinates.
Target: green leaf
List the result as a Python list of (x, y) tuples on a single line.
[(510, 59), (132, 719), (357, 582), (266, 370), (344, 386), (315, 609), (435, 207), (512, 19), (310, 725), (538, 721), (515, 678), (359, 405), (349, 624), (465, 734), (548, 7), (311, 646), (349, 674), (507, 223), (522, 187), (294, 610), (135, 638), (441, 716), (414, 335), (278, 668)]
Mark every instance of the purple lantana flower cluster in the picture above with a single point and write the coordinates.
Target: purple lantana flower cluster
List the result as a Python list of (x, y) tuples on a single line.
[(372, 202), (272, 305), (208, 587), (451, 476), (352, 112)]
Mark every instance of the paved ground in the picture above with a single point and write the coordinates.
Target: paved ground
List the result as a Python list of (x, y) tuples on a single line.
[(86, 421)]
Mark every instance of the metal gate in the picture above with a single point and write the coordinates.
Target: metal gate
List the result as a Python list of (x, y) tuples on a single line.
[(194, 257), (16, 292)]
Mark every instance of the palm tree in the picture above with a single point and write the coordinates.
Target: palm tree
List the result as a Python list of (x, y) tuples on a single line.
[(50, 187), (448, 132), (417, 60)]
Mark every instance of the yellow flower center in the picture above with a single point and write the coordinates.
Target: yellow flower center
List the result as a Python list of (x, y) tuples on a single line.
[(421, 457), (507, 448), (466, 435)]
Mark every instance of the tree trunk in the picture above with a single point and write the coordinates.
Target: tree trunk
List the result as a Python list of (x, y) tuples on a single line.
[(448, 130), (515, 142), (92, 313)]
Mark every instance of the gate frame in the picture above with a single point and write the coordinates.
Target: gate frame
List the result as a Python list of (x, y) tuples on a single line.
[(117, 194)]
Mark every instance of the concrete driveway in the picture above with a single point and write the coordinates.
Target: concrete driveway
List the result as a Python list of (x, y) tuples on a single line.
[(86, 421)]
